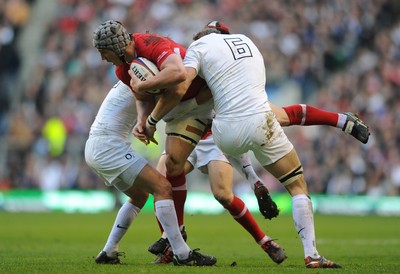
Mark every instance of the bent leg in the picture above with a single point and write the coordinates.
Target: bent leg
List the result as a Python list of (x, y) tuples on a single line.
[(220, 174), (153, 182), (221, 178), (162, 169), (126, 214), (182, 137), (306, 115), (290, 173)]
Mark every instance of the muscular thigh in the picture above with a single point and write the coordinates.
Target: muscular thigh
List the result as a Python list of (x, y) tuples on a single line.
[(182, 137), (177, 151), (284, 165), (289, 172)]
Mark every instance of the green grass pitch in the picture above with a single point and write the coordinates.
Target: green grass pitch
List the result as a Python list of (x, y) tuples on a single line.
[(67, 243)]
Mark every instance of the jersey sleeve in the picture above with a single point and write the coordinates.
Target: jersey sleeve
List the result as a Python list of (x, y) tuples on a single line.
[(156, 48), (193, 57)]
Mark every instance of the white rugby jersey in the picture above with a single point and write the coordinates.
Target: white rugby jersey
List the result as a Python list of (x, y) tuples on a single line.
[(117, 114), (233, 68)]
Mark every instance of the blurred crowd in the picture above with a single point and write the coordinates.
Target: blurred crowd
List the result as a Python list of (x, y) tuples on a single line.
[(338, 55)]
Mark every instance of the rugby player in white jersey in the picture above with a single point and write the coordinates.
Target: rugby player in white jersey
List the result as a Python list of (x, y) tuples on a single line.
[(108, 150), (234, 70)]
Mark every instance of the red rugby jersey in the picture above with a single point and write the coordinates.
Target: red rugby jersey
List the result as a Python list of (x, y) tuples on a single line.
[(157, 48)]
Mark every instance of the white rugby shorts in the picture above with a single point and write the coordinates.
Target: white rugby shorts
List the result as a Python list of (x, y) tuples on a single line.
[(113, 160), (260, 133), (204, 152)]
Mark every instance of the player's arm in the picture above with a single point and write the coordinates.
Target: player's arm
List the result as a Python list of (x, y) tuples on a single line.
[(165, 104), (172, 72), (144, 105), (173, 96), (281, 115)]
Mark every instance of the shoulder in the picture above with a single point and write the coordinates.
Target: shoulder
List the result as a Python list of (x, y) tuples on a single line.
[(152, 39), (156, 47)]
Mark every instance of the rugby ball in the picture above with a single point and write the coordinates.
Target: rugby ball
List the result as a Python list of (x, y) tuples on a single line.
[(144, 69)]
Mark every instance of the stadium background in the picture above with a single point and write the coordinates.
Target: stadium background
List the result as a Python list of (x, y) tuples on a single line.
[(337, 55)]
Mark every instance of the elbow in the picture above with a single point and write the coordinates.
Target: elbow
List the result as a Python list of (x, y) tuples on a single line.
[(181, 76), (175, 77)]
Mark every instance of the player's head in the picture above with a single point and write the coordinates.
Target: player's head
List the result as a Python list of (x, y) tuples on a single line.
[(112, 35), (219, 26), (212, 27)]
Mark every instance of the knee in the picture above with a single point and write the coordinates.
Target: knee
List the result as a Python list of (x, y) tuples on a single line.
[(163, 191), (223, 197), (174, 166)]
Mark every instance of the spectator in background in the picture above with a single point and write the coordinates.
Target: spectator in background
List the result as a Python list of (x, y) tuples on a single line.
[(13, 16)]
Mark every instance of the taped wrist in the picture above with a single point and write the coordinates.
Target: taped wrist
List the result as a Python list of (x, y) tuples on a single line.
[(151, 121)]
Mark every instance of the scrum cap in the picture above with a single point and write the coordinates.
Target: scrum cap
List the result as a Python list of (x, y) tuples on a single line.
[(111, 35), (219, 26)]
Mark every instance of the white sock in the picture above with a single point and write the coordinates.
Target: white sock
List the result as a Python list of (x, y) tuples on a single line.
[(304, 222), (165, 211), (124, 218), (164, 235), (243, 165)]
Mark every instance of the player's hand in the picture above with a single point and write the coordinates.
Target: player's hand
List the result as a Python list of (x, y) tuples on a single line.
[(139, 132), (135, 82), (149, 131)]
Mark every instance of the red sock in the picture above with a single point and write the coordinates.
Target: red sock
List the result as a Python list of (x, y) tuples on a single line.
[(308, 116), (179, 193), (242, 215)]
